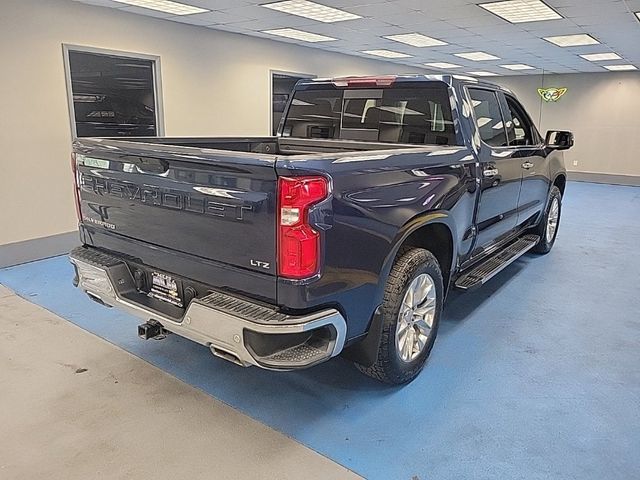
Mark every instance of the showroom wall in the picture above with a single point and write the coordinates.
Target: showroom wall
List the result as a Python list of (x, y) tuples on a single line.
[(214, 83), (602, 111)]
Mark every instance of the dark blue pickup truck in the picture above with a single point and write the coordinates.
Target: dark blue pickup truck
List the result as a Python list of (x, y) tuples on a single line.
[(341, 235)]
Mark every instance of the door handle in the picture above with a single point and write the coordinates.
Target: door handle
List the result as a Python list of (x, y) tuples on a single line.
[(527, 165), (490, 172)]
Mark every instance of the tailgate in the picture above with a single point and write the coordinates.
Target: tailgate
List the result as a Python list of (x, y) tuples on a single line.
[(210, 204)]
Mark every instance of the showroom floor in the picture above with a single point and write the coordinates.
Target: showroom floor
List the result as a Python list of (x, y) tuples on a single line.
[(78, 407), (537, 375)]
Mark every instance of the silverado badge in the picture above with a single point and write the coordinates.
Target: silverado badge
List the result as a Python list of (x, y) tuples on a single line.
[(552, 94)]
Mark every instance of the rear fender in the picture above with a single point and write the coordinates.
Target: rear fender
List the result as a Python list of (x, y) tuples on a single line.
[(365, 351)]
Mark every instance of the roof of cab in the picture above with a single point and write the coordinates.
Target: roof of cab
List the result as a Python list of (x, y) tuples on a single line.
[(386, 80)]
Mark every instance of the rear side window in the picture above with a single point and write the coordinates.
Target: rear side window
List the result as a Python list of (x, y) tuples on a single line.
[(488, 117), (393, 115)]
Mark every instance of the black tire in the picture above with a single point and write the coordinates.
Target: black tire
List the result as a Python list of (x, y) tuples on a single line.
[(389, 367), (546, 244)]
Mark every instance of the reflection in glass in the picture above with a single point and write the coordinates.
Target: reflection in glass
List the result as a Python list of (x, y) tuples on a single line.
[(113, 96)]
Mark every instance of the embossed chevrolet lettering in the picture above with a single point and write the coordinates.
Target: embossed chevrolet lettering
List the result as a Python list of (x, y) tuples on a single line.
[(154, 195)]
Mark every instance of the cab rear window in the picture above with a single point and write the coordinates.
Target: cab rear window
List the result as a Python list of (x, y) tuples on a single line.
[(418, 115)]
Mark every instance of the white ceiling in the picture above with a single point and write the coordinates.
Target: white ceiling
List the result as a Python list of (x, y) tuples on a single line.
[(462, 24)]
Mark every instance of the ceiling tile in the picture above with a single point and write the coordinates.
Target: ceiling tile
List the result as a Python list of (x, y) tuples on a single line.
[(464, 25)]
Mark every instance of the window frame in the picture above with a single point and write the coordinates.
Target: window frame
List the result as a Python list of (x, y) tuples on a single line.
[(157, 80), (497, 93)]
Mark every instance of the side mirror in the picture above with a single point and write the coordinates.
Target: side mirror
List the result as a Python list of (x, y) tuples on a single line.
[(559, 140)]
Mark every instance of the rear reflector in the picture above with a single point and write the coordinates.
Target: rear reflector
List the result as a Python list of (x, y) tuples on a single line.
[(298, 242), (383, 81)]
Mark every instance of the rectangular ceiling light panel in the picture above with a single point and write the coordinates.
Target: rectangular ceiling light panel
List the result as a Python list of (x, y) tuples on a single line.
[(166, 6), (442, 65), (599, 57), (477, 56), (520, 11), (312, 10), (299, 35), (482, 74), (572, 40), (416, 40), (620, 68), (386, 53), (518, 66)]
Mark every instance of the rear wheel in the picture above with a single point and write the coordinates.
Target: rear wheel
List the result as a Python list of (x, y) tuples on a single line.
[(548, 228), (411, 313)]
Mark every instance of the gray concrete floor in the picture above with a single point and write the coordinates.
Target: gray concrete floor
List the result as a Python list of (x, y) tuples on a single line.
[(73, 406)]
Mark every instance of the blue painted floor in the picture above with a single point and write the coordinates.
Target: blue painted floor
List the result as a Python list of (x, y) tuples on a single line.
[(535, 376)]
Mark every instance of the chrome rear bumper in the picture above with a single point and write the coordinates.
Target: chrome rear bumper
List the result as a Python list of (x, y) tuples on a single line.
[(243, 332)]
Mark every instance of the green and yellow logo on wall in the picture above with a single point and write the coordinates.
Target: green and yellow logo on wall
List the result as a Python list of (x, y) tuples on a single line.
[(552, 94)]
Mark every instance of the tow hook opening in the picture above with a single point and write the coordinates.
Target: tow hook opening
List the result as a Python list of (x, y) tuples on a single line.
[(151, 329)]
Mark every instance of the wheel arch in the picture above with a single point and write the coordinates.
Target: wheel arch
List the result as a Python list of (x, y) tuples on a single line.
[(417, 232), (434, 231), (436, 237), (560, 181)]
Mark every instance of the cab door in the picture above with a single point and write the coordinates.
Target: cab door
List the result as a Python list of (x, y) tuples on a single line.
[(500, 173), (532, 159)]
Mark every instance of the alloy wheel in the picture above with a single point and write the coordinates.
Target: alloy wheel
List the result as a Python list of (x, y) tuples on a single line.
[(552, 219), (415, 318)]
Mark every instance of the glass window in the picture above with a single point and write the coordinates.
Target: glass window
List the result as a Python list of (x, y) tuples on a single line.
[(488, 117), (281, 87), (420, 115), (113, 96), (519, 129), (314, 114)]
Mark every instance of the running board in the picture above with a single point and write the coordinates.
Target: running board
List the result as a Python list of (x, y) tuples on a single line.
[(496, 263)]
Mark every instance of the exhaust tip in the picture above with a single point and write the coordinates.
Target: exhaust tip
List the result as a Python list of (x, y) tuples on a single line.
[(97, 299), (230, 357)]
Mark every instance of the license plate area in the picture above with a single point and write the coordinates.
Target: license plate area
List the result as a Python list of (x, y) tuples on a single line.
[(165, 288)]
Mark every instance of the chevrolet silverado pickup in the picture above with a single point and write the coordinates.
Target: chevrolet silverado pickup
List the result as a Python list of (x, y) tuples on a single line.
[(340, 235)]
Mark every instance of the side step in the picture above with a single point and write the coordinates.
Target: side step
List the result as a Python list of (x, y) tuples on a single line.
[(496, 263)]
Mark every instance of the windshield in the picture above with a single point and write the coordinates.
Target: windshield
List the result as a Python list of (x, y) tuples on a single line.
[(393, 115)]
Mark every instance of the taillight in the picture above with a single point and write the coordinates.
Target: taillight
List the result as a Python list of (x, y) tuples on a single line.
[(298, 242), (76, 191)]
